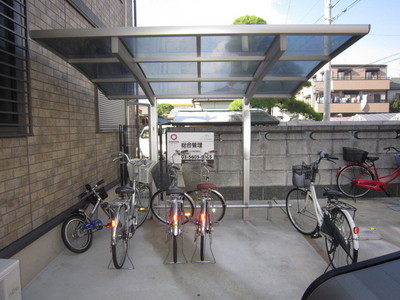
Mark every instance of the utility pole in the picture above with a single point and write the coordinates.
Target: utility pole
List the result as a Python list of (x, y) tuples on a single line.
[(327, 73)]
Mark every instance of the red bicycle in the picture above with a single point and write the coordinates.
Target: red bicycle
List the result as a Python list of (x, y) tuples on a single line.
[(360, 176)]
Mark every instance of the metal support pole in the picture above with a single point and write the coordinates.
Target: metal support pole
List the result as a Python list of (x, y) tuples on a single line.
[(153, 124), (246, 157), (327, 73)]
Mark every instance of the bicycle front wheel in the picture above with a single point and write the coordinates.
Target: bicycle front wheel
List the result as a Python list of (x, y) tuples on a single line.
[(160, 207), (216, 204), (119, 239), (301, 211), (75, 237), (143, 196), (346, 177), (340, 246)]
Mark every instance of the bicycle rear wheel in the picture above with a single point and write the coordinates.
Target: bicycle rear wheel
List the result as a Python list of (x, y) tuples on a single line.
[(346, 177), (120, 235), (340, 246), (143, 196), (75, 237), (216, 205), (301, 211), (161, 208)]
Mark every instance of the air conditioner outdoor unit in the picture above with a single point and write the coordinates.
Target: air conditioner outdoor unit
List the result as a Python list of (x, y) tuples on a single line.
[(10, 282)]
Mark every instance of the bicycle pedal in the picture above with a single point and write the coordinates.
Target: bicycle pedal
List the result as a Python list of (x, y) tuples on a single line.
[(316, 235)]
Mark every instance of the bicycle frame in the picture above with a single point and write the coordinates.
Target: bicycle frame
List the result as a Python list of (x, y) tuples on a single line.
[(319, 213), (379, 184)]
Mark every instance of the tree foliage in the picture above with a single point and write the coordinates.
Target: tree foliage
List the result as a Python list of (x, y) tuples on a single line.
[(291, 105), (249, 19), (395, 106), (164, 109)]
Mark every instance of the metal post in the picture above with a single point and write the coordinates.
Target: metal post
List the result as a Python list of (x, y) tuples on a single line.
[(153, 124), (327, 73), (246, 157)]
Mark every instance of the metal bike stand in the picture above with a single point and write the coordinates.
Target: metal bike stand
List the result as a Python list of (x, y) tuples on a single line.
[(123, 268), (211, 259), (166, 260)]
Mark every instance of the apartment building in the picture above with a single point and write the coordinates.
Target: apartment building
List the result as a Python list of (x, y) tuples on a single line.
[(354, 89), (52, 136)]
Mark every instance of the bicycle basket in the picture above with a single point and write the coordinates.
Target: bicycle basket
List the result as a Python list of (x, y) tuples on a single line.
[(191, 172), (302, 176), (397, 158), (161, 175), (145, 171), (354, 155)]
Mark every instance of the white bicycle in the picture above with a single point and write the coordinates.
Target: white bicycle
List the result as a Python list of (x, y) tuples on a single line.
[(334, 221)]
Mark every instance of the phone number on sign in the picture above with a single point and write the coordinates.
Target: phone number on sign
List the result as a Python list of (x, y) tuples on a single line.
[(186, 157)]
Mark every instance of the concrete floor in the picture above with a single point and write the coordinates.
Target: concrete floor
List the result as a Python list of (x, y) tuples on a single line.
[(256, 259)]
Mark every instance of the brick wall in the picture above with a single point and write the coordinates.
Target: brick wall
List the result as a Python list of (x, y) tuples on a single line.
[(41, 175)]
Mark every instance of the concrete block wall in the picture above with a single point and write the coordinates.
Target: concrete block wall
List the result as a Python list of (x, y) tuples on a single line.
[(41, 175), (275, 149)]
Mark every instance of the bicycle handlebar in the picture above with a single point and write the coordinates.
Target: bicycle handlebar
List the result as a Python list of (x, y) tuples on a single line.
[(391, 147)]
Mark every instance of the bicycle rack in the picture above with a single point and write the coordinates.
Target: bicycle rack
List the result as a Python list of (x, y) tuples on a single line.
[(210, 257), (168, 261), (110, 264)]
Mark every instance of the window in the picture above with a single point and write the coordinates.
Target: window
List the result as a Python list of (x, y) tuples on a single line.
[(14, 72), (344, 75), (111, 113), (371, 75)]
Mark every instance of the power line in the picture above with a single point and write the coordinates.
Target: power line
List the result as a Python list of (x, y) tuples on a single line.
[(288, 9), (385, 58), (342, 12), (346, 9)]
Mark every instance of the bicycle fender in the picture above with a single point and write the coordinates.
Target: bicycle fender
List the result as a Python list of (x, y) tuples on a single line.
[(353, 225)]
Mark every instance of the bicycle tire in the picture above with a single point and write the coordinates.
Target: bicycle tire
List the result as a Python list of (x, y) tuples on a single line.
[(143, 203), (75, 238), (217, 205), (161, 208), (338, 256), (202, 246), (175, 248), (119, 245), (345, 179), (301, 212)]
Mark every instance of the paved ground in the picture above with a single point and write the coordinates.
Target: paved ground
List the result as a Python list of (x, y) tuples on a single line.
[(255, 259)]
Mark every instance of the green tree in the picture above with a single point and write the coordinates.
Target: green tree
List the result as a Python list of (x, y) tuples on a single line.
[(291, 105), (249, 19), (395, 106), (164, 109)]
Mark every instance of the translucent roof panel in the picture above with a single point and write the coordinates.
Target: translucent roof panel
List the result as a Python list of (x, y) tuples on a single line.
[(235, 61)]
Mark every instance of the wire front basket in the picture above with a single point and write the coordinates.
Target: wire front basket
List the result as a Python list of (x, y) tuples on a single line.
[(354, 155), (161, 173), (302, 176), (141, 170)]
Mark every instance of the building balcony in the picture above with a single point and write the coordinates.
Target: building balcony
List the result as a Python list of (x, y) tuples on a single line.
[(354, 108), (356, 84)]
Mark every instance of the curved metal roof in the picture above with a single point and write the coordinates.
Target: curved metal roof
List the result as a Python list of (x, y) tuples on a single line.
[(235, 61)]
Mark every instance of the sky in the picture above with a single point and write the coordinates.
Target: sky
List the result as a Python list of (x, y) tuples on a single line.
[(380, 46)]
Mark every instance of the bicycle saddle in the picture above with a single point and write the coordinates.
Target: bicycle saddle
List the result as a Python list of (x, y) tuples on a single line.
[(174, 190), (373, 158), (126, 189), (330, 193), (206, 185)]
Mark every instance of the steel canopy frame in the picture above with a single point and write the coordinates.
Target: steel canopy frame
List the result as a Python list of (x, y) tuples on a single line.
[(234, 61)]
